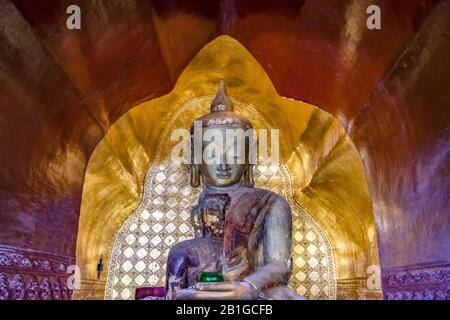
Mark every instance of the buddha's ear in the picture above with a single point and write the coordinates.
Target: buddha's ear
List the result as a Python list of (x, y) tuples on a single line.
[(195, 175), (248, 176)]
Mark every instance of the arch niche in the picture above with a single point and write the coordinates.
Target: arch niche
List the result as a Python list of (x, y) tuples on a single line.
[(135, 203)]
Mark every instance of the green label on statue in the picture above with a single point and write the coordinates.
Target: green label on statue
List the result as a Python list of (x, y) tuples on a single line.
[(211, 277)]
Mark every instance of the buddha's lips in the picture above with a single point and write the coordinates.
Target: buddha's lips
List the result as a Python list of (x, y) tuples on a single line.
[(223, 175)]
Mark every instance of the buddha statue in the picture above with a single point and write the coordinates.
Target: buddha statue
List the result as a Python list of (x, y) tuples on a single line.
[(241, 232)]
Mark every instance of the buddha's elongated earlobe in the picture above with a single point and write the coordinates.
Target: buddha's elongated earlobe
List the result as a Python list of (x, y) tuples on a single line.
[(248, 176), (195, 175)]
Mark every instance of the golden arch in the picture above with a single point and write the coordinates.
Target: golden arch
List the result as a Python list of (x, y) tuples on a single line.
[(325, 171), (142, 243)]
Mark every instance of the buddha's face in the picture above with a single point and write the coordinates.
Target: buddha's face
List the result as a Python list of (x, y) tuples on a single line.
[(222, 165)]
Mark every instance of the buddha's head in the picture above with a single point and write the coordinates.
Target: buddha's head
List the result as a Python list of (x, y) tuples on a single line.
[(223, 160)]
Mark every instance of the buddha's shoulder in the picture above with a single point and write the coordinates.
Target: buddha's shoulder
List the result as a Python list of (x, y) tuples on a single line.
[(265, 194)]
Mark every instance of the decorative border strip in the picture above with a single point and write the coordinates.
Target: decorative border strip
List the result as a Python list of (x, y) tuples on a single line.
[(417, 282), (33, 275), (90, 290), (356, 289)]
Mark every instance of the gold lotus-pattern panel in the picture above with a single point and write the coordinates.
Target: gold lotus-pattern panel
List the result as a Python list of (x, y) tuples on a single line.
[(162, 219)]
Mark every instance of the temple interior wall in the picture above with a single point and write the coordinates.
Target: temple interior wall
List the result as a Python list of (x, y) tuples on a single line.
[(61, 91)]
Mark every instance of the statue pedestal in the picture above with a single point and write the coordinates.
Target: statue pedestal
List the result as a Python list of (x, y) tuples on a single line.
[(150, 293)]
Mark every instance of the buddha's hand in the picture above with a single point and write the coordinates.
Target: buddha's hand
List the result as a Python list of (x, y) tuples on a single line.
[(230, 290)]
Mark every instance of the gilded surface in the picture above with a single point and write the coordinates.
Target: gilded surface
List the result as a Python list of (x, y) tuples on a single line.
[(326, 170)]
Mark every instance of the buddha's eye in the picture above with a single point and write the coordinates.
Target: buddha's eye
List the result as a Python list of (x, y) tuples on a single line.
[(211, 158)]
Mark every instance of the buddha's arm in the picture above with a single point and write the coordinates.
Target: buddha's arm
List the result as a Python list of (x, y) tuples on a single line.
[(276, 239)]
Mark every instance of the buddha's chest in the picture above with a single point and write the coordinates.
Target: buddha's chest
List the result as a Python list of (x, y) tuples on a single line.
[(233, 217), (222, 214)]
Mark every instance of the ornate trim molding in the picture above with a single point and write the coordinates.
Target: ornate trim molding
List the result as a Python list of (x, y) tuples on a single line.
[(33, 275), (356, 289), (417, 282), (90, 290)]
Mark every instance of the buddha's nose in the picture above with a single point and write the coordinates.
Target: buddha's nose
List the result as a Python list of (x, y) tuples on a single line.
[(224, 167)]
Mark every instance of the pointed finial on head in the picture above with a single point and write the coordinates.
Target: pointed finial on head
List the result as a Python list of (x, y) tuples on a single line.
[(222, 101)]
